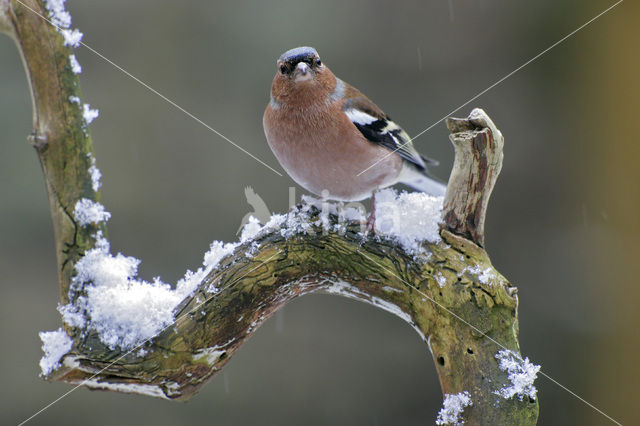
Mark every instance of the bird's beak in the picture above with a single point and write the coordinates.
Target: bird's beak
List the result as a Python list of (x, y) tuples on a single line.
[(302, 72)]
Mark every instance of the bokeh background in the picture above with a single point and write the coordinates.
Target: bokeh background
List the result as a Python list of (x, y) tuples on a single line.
[(563, 222)]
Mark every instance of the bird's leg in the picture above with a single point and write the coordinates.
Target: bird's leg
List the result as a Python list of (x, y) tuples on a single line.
[(371, 220)]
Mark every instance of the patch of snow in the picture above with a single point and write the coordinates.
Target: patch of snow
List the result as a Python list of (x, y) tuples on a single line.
[(71, 37), (125, 310), (217, 251), (322, 205), (250, 230), (54, 345), (58, 16), (131, 311), (483, 275), (61, 19), (408, 218), (87, 211), (441, 279), (95, 174), (348, 213), (89, 114), (71, 361), (211, 355), (151, 390), (522, 374), (74, 100), (71, 315), (75, 65), (452, 408)]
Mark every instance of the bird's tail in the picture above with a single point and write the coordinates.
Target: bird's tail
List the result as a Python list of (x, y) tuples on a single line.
[(420, 180)]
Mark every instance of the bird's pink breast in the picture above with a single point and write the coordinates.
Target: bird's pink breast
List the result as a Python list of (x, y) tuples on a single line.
[(323, 151)]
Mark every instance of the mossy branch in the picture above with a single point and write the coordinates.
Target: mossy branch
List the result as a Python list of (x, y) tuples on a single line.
[(59, 134), (440, 293)]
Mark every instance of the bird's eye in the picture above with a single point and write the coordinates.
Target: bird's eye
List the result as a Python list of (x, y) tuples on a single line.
[(283, 69), (318, 62)]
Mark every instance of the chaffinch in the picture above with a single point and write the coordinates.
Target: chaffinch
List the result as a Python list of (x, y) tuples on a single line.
[(325, 133)]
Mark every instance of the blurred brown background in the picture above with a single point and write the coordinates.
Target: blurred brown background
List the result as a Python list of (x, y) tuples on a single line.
[(563, 222)]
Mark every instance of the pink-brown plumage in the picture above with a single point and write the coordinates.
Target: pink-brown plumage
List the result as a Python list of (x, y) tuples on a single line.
[(322, 150), (315, 140)]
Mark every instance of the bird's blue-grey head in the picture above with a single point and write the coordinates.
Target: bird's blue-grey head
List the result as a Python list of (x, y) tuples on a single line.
[(299, 63), (298, 54)]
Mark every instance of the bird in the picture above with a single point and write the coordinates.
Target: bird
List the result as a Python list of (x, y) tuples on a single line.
[(333, 140)]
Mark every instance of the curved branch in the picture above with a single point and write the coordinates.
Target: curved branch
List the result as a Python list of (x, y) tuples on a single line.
[(450, 293), (59, 135), (184, 357)]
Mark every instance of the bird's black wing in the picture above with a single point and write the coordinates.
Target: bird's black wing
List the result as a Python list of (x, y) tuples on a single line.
[(378, 128)]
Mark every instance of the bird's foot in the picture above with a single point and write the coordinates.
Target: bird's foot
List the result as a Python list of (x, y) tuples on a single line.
[(371, 220), (371, 224)]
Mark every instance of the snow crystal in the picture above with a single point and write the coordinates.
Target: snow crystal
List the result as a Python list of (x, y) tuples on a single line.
[(95, 174), (452, 408), (484, 275), (61, 19), (71, 37), (71, 315), (58, 16), (74, 100), (348, 213), (521, 373), (250, 230), (89, 114), (54, 345), (87, 211), (408, 218), (217, 251), (75, 65)]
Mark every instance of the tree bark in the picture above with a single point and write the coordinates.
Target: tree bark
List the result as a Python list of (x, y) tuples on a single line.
[(460, 320)]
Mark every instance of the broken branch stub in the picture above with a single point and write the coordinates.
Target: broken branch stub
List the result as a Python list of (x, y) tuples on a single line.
[(478, 160)]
